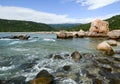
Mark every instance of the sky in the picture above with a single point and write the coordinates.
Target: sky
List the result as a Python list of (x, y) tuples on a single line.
[(58, 11)]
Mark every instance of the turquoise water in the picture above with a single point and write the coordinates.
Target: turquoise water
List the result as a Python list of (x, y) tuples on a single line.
[(16, 55)]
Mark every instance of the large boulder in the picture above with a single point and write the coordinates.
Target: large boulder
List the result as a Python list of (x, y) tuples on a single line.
[(104, 46), (112, 42), (43, 77), (115, 34), (64, 35), (99, 28)]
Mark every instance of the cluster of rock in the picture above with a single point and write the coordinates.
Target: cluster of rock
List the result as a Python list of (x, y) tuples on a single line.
[(98, 28), (20, 37)]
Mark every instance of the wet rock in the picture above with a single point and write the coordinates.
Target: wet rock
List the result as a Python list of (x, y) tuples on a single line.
[(66, 67), (117, 59), (104, 61), (43, 77), (66, 55), (114, 81), (21, 37), (76, 56), (16, 80), (58, 57), (97, 81)]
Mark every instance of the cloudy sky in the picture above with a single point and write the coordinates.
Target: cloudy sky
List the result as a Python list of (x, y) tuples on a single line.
[(58, 11)]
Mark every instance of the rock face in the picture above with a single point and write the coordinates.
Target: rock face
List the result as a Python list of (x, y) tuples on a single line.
[(76, 56), (64, 35), (115, 34), (43, 77), (104, 46), (99, 28)]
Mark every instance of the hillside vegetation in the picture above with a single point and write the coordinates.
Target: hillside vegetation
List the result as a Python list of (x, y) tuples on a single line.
[(28, 26), (23, 26), (114, 23)]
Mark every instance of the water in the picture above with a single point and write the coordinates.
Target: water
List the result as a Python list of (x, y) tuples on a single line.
[(28, 57)]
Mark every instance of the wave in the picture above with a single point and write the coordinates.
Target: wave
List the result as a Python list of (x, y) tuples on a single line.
[(47, 39), (5, 39), (6, 68), (19, 49)]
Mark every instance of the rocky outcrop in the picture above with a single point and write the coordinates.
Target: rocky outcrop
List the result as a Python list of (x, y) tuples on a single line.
[(21, 37), (64, 35), (80, 34), (43, 77), (76, 56), (104, 46), (114, 34), (98, 28)]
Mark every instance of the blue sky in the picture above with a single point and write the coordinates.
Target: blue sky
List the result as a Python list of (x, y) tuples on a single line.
[(58, 11)]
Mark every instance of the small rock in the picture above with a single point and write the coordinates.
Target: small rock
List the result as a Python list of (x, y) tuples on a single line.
[(66, 67), (76, 56), (97, 81), (58, 57)]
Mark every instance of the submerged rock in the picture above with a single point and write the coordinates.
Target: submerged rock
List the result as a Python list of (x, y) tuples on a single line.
[(58, 57), (16, 80), (43, 77), (66, 67), (21, 37), (76, 56)]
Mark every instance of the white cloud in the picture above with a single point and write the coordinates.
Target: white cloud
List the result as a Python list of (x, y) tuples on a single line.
[(19, 13), (94, 4)]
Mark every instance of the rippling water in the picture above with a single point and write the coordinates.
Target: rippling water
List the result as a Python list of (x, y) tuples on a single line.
[(27, 57)]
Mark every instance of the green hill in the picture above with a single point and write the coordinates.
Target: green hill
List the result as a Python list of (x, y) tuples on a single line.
[(23, 26), (114, 23)]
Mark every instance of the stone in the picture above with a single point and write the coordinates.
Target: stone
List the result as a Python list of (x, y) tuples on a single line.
[(114, 34), (99, 26), (43, 77), (58, 57), (104, 46), (80, 34), (97, 81), (66, 67), (16, 80), (64, 35), (21, 37), (76, 56), (112, 42)]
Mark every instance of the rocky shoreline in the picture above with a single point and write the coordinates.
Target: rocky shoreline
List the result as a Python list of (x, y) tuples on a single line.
[(93, 69)]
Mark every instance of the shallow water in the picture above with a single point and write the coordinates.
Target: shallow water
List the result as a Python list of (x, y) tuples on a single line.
[(28, 57)]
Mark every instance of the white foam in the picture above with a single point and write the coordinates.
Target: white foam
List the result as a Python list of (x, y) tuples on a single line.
[(68, 81), (47, 39), (6, 39), (6, 68), (19, 49)]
